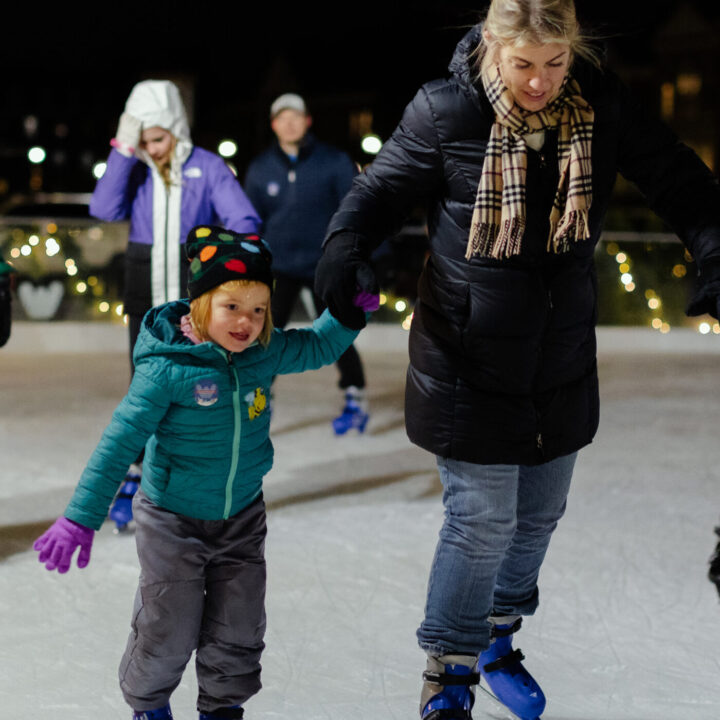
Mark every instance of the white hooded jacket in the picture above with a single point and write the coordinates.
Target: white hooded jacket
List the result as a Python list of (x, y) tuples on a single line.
[(157, 103)]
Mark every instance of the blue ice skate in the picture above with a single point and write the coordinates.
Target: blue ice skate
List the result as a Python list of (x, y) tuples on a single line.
[(163, 713), (509, 682), (448, 691), (354, 414), (230, 713), (121, 510)]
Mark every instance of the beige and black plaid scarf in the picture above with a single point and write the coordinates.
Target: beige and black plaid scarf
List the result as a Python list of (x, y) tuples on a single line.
[(498, 221)]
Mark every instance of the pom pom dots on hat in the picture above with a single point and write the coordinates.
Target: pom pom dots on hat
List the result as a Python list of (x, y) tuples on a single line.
[(218, 255)]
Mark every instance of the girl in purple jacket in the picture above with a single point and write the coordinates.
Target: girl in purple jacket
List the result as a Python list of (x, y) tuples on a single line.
[(164, 185)]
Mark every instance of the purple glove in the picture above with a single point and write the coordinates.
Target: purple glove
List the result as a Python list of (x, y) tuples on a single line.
[(58, 543), (369, 302)]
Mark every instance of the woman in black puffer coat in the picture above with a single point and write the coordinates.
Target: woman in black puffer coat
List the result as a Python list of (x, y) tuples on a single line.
[(515, 156)]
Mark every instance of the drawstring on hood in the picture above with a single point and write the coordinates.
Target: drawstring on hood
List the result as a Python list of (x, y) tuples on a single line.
[(157, 103)]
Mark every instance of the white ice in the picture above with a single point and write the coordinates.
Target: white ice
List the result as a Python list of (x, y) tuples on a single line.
[(628, 627)]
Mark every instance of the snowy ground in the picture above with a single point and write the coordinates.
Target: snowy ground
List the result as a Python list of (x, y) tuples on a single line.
[(628, 626)]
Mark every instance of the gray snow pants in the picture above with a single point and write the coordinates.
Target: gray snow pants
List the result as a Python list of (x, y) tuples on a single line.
[(202, 587)]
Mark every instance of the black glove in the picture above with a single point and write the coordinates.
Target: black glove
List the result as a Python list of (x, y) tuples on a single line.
[(343, 270), (5, 308), (714, 571), (707, 298)]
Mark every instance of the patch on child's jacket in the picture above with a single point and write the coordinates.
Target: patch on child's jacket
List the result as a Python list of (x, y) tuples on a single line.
[(257, 402), (193, 172), (206, 393)]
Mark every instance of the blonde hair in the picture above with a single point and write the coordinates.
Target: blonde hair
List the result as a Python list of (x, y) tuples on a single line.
[(532, 22), (201, 309)]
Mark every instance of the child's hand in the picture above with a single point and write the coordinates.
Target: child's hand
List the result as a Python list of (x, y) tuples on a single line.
[(369, 302), (57, 545)]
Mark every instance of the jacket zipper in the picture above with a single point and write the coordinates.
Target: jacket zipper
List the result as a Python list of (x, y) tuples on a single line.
[(237, 433), (538, 435), (167, 222)]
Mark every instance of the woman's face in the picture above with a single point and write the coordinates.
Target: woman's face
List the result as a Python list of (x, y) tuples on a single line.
[(159, 144), (534, 73)]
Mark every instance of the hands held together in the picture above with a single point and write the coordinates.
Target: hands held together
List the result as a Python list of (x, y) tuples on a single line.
[(345, 281)]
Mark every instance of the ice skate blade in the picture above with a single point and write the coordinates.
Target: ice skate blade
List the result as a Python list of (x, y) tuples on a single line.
[(507, 713)]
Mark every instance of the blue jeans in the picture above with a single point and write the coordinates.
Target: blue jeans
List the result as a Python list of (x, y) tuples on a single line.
[(497, 528)]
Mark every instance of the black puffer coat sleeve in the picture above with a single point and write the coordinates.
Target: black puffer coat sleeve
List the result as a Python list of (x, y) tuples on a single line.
[(407, 171), (676, 184)]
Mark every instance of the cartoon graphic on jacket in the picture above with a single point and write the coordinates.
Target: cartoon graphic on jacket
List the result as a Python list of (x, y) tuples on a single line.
[(179, 387)]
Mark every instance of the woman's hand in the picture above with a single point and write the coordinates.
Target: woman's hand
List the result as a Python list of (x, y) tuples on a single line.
[(343, 272)]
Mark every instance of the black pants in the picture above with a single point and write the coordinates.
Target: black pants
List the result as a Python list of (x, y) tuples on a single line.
[(287, 290), (134, 326)]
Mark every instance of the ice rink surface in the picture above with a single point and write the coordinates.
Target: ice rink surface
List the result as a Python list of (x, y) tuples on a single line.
[(628, 626)]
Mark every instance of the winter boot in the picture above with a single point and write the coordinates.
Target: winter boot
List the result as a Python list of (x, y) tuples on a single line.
[(121, 510), (448, 688), (502, 671), (714, 571), (162, 713), (230, 713), (354, 414)]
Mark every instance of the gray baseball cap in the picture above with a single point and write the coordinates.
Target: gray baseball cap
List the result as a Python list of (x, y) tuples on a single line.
[(288, 101)]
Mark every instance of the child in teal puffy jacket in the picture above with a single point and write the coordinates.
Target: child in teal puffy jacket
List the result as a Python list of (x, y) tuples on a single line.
[(198, 404)]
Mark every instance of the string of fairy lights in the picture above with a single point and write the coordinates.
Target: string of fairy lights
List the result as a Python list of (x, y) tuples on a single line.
[(401, 306), (653, 298), (49, 245), (36, 254)]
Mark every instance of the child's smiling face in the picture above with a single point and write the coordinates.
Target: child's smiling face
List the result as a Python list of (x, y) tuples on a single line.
[(237, 316)]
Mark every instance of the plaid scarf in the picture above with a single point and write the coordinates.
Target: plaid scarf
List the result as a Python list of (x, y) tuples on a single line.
[(498, 221)]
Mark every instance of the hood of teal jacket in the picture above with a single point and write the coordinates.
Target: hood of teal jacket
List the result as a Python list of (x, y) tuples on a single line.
[(162, 334)]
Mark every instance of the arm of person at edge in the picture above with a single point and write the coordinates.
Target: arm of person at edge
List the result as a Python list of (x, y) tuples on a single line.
[(230, 202), (679, 188), (407, 170), (6, 275)]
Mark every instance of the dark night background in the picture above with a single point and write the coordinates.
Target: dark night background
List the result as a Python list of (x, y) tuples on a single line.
[(73, 69)]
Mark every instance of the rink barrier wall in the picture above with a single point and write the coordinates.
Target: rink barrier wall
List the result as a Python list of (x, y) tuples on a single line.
[(82, 337)]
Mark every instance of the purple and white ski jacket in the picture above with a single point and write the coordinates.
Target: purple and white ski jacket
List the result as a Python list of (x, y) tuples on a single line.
[(206, 192)]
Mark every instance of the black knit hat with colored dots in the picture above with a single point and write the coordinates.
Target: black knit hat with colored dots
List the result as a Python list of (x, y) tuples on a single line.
[(217, 255)]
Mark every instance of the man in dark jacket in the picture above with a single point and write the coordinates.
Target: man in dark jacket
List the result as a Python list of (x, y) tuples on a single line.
[(296, 185)]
